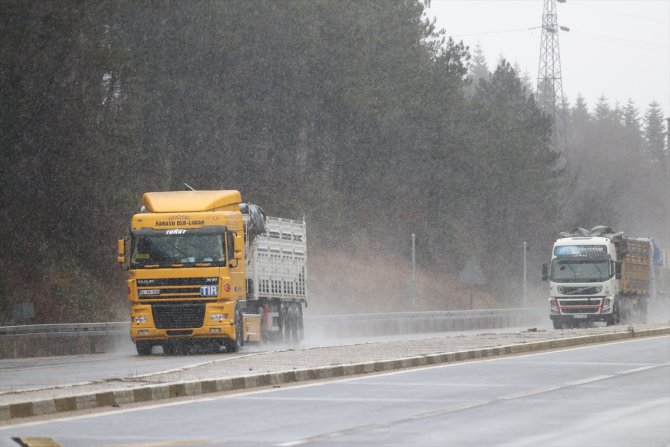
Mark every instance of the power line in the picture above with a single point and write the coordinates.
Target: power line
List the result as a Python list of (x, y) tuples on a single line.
[(625, 14), (619, 41), (497, 32)]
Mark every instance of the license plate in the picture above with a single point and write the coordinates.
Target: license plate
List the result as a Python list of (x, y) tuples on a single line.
[(583, 317), (209, 290)]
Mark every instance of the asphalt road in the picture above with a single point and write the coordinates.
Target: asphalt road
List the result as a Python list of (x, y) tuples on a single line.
[(615, 394)]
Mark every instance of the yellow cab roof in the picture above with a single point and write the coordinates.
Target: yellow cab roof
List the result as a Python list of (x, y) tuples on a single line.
[(191, 201)]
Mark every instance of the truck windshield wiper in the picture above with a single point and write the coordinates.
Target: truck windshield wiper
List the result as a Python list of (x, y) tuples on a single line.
[(573, 270), (599, 271), (175, 247)]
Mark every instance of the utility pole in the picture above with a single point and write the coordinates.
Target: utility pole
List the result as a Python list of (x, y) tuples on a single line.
[(525, 299), (549, 78), (413, 271)]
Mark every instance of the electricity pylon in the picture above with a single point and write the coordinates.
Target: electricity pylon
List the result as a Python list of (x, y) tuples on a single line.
[(549, 79)]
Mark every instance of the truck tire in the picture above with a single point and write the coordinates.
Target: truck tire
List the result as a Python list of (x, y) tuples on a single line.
[(616, 314), (294, 324), (294, 329), (557, 324), (144, 347), (239, 328), (238, 342), (169, 348), (284, 322), (301, 324), (643, 311)]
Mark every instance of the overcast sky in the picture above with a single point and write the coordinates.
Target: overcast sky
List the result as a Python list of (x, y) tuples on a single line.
[(619, 48)]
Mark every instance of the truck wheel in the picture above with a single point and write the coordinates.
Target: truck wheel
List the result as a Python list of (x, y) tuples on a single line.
[(284, 323), (238, 342), (301, 325), (239, 329), (557, 324), (264, 334), (169, 348), (143, 347), (643, 311), (616, 314), (294, 325)]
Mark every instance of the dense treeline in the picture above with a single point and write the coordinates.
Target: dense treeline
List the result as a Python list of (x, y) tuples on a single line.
[(358, 115)]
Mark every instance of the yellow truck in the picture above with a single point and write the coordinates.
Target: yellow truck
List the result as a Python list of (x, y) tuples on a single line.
[(206, 271)]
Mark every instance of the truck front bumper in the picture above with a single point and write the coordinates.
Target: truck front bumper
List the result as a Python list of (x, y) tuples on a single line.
[(221, 331)]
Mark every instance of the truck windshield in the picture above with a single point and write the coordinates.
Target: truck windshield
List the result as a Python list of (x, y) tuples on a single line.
[(579, 270), (181, 249)]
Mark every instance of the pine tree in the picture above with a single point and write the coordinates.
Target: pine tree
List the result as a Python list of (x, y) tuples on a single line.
[(631, 125), (654, 132), (478, 69), (603, 110)]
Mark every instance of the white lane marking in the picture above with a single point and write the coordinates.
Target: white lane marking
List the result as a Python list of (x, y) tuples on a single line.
[(183, 443), (452, 409), (583, 381), (530, 393), (333, 434), (592, 379), (643, 368), (293, 443)]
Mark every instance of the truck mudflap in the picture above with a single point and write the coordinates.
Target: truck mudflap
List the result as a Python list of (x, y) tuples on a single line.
[(252, 328)]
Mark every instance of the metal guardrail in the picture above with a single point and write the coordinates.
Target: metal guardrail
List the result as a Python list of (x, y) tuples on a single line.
[(402, 323), (433, 316), (430, 315), (111, 327)]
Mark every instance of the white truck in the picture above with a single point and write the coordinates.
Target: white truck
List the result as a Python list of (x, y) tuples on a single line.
[(599, 275)]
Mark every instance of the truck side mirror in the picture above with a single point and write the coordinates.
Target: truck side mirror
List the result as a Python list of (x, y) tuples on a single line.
[(617, 269), (121, 252), (239, 246), (545, 272)]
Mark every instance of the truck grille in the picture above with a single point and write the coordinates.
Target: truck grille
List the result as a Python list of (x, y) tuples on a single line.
[(567, 290), (178, 315), (172, 288)]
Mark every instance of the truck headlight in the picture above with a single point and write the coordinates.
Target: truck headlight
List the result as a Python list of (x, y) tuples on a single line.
[(607, 305), (554, 306), (140, 319), (219, 316)]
